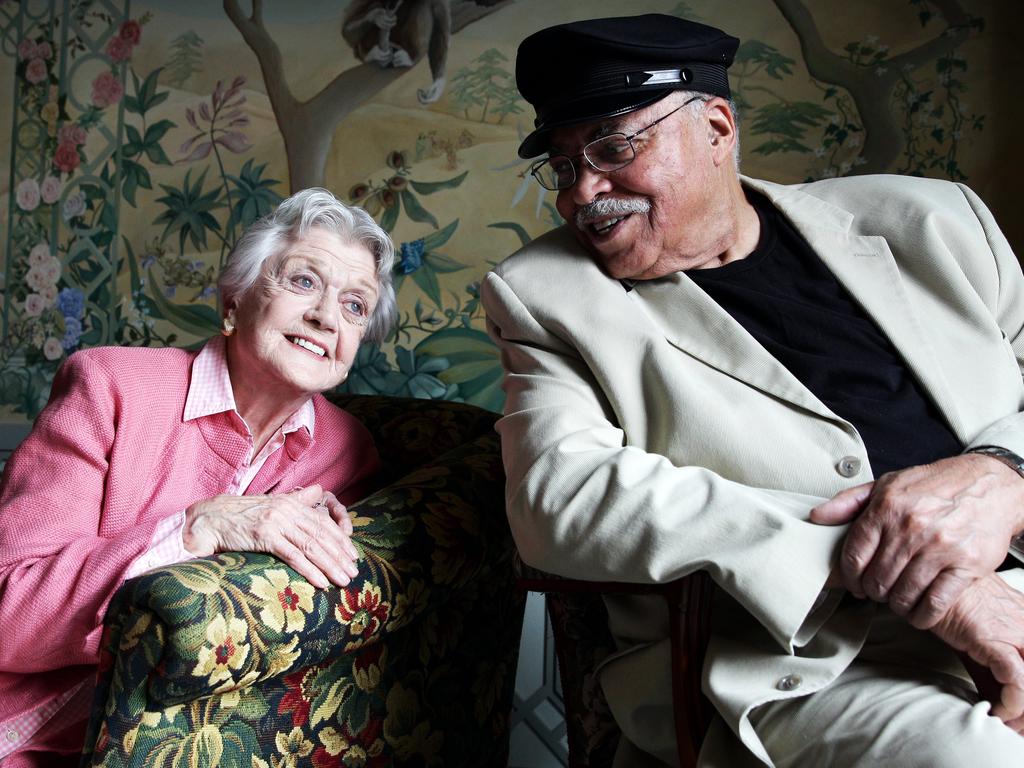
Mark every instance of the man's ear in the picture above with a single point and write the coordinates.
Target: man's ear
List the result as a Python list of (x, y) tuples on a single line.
[(721, 129)]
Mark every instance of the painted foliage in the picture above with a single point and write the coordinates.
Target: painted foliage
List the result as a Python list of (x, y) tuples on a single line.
[(146, 137)]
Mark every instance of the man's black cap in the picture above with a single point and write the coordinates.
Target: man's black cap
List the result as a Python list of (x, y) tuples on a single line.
[(586, 70)]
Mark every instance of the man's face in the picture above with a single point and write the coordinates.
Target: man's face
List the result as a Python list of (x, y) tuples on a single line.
[(670, 186)]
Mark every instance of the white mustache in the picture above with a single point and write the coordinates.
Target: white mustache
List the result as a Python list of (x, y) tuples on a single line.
[(607, 207)]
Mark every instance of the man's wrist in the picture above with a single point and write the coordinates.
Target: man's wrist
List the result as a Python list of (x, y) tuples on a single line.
[(1016, 463), (1003, 455)]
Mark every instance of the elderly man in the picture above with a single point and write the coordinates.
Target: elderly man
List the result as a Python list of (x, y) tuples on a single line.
[(710, 372)]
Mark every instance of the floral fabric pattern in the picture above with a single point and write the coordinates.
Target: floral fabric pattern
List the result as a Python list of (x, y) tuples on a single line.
[(235, 660)]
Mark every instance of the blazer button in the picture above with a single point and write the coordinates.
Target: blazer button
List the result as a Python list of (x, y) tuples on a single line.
[(789, 683), (12, 735), (848, 466)]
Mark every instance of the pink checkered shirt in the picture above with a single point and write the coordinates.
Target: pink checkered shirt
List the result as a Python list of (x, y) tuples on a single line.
[(209, 393)]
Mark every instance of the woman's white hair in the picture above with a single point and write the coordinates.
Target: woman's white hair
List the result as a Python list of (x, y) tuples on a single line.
[(293, 218)]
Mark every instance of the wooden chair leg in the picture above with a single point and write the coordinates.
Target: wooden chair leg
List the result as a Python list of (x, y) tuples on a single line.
[(689, 622)]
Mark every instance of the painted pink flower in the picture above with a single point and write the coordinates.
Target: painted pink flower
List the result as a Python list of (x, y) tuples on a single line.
[(53, 349), (26, 49), (72, 133), (106, 89), (66, 158), (36, 71), (27, 194), (119, 49), (39, 255), (50, 190), (43, 51), (34, 305), (131, 32)]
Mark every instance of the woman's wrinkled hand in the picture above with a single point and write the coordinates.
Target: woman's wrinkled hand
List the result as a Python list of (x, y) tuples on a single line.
[(308, 529)]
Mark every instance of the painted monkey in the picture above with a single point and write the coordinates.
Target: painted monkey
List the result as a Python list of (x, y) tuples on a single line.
[(397, 33)]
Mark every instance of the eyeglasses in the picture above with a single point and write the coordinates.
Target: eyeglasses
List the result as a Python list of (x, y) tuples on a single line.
[(606, 154)]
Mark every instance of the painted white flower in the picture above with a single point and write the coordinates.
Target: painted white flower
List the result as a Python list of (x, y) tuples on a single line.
[(27, 194), (52, 349), (39, 254), (74, 205), (51, 269), (34, 305), (50, 190), (49, 294), (36, 279)]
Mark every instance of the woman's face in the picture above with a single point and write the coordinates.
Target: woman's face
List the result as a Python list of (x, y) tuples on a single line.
[(299, 326)]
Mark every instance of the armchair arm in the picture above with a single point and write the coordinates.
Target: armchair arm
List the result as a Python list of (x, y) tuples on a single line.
[(220, 624), (688, 601)]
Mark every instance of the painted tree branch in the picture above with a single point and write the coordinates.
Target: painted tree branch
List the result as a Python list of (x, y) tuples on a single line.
[(308, 126), (872, 87)]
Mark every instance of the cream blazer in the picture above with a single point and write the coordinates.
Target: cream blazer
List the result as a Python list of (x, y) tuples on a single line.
[(648, 435)]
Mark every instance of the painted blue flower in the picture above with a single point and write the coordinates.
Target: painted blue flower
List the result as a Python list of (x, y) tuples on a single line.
[(72, 332), (207, 292), (169, 291), (148, 260), (71, 302), (412, 257)]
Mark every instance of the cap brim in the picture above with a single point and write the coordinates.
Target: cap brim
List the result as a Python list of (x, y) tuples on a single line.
[(587, 111)]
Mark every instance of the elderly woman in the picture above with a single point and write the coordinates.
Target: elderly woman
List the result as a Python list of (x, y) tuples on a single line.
[(145, 457)]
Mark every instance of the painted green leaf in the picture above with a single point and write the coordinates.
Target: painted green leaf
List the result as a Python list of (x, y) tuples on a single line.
[(426, 279), (148, 97), (436, 239), (473, 364), (775, 64), (518, 229), (415, 211), (430, 187), (133, 266), (441, 263), (197, 319), (389, 218), (133, 146), (187, 211)]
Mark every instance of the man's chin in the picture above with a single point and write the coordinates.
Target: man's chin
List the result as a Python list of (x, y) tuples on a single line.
[(613, 261)]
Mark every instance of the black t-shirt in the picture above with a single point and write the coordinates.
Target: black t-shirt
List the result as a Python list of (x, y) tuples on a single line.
[(788, 300)]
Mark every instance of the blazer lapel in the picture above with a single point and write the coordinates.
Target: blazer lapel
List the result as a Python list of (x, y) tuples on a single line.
[(866, 268), (697, 325)]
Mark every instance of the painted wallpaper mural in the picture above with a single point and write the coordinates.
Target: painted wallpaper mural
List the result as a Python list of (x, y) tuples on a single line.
[(142, 138), (145, 137)]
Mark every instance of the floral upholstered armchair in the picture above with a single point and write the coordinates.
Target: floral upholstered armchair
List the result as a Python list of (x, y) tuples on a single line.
[(235, 660)]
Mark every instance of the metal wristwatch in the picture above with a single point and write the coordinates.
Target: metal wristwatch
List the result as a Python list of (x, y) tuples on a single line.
[(1007, 457)]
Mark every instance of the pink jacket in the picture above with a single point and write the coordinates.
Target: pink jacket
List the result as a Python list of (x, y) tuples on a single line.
[(107, 460)]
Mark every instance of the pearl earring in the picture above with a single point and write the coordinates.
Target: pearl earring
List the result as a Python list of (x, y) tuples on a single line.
[(228, 327)]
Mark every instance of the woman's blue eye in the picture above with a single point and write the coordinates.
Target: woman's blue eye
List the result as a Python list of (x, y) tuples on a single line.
[(304, 282), (355, 306)]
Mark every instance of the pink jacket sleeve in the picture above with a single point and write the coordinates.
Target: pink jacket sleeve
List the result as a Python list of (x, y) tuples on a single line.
[(57, 573)]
